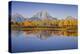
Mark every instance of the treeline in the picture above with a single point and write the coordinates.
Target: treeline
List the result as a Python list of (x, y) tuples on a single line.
[(54, 23)]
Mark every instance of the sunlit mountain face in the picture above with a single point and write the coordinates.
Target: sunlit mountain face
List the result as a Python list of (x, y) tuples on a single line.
[(41, 15)]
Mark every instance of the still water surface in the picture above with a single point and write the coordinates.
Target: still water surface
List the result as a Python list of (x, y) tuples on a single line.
[(24, 41)]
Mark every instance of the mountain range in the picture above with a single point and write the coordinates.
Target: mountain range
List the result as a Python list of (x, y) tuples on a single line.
[(38, 16)]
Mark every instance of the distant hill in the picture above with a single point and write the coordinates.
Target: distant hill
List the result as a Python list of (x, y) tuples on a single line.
[(18, 18), (70, 17)]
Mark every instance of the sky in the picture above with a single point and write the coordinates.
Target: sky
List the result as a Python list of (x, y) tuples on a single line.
[(28, 9)]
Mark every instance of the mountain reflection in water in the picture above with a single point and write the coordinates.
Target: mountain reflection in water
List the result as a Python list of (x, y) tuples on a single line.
[(40, 40), (44, 34)]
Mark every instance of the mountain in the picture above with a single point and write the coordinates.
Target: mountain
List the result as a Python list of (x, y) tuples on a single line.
[(70, 17), (34, 18), (42, 15), (37, 17), (18, 18)]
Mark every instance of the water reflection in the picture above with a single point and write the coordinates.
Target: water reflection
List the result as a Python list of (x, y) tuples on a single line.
[(44, 34), (37, 40)]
